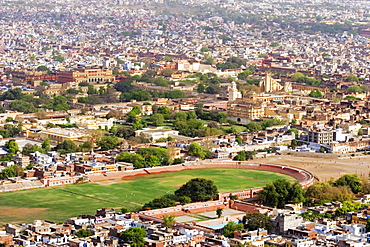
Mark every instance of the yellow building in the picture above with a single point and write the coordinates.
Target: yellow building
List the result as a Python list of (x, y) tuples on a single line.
[(86, 75), (58, 135), (244, 111)]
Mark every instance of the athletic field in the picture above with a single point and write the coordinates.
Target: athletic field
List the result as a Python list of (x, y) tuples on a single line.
[(61, 202)]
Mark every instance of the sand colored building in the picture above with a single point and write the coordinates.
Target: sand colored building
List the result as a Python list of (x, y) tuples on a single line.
[(86, 75), (269, 85), (245, 111)]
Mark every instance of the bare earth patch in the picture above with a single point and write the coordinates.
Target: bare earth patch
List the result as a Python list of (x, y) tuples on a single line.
[(177, 185), (324, 168), (19, 214)]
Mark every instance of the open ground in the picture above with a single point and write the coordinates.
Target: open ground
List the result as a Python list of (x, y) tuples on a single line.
[(324, 168), (62, 202)]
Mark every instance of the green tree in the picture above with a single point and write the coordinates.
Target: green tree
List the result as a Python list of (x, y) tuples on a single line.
[(240, 156), (355, 89), (66, 146), (91, 90), (46, 144), (72, 91), (254, 220), (12, 146), (233, 197), (350, 180), (82, 233), (161, 202), (244, 75), (281, 192), (165, 111), (352, 78), (124, 210), (137, 124), (135, 111), (294, 144), (43, 68), (198, 189), (135, 236), (28, 149), (324, 191), (184, 199), (10, 171), (368, 225), (360, 132), (239, 140), (58, 58), (160, 154), (198, 150), (253, 126), (136, 159), (232, 227), (22, 106), (169, 221), (315, 94), (296, 76), (219, 212), (347, 206), (295, 131), (87, 146), (201, 88), (157, 119), (108, 142)]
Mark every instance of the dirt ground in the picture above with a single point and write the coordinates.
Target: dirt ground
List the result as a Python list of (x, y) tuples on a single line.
[(324, 168), (18, 213)]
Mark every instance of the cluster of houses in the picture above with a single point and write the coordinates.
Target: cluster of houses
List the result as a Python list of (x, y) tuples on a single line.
[(287, 229)]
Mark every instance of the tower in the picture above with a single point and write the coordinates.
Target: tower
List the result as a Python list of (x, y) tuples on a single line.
[(233, 92)]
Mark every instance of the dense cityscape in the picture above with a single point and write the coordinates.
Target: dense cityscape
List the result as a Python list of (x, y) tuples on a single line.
[(172, 123)]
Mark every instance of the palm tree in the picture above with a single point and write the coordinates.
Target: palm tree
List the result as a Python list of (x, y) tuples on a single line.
[(169, 221)]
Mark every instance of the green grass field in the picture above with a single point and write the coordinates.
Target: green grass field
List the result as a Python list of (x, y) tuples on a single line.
[(55, 204)]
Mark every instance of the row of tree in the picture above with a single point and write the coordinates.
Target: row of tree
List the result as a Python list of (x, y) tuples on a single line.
[(281, 191)]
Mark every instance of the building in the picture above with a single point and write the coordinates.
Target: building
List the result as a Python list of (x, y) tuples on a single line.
[(234, 93), (320, 136), (21, 160), (245, 111), (86, 75), (59, 135), (155, 134), (58, 181), (284, 221)]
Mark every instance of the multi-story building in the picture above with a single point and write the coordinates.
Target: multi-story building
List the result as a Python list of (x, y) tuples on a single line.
[(245, 111), (320, 136), (86, 75)]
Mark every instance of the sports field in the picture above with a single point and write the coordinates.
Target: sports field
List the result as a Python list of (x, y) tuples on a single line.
[(58, 203)]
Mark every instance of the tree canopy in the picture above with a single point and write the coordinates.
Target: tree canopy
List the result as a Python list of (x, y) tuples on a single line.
[(315, 94), (254, 220), (232, 227), (161, 202), (350, 180), (108, 142), (198, 189), (281, 192), (135, 236), (198, 150)]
